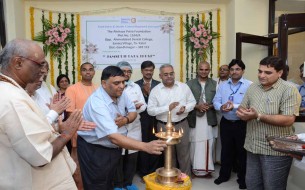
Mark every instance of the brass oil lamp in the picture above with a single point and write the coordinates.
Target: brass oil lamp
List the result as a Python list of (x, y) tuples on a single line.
[(168, 174)]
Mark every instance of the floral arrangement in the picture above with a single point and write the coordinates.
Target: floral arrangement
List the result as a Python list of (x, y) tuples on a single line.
[(199, 38), (57, 38)]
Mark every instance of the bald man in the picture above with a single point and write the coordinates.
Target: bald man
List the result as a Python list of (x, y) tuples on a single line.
[(34, 155)]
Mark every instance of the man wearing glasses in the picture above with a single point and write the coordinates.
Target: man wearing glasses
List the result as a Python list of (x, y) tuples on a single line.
[(232, 130), (34, 155), (174, 96)]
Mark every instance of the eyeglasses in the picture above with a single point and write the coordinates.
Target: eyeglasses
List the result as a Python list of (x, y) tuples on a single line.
[(40, 64), (127, 71), (223, 69), (169, 74)]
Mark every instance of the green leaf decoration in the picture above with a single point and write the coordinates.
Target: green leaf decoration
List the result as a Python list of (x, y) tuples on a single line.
[(55, 37)]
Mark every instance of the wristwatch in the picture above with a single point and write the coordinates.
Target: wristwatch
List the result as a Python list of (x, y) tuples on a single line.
[(258, 117)]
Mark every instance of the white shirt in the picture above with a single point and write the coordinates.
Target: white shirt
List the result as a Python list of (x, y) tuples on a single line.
[(134, 93), (43, 97), (161, 97)]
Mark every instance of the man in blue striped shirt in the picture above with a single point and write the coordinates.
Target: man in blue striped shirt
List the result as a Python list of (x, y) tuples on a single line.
[(232, 130)]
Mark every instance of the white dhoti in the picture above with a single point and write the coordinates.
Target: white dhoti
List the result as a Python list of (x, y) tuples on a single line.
[(202, 139)]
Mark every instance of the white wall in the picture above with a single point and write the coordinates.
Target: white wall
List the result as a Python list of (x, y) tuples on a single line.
[(15, 19), (236, 16)]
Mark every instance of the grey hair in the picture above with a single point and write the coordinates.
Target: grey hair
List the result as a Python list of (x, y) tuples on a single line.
[(16, 47), (164, 66)]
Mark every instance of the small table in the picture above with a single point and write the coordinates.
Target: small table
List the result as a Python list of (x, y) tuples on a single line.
[(151, 184)]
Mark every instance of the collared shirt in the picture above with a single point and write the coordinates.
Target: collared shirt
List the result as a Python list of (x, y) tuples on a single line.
[(227, 89), (161, 97), (26, 144), (134, 93), (302, 93), (102, 110), (281, 99)]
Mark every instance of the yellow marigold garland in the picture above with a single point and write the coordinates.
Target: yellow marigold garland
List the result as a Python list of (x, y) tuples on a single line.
[(181, 48), (51, 56), (78, 46), (203, 20), (218, 40), (32, 21)]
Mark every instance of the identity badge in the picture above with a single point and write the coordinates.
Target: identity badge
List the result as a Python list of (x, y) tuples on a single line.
[(231, 98)]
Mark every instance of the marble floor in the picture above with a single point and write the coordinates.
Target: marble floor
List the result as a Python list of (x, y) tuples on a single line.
[(202, 183)]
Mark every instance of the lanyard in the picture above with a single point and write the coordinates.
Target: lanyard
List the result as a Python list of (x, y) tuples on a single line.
[(233, 90)]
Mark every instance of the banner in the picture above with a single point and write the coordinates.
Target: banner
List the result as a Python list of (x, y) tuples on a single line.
[(109, 40)]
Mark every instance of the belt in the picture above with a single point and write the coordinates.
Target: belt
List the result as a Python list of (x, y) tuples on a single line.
[(232, 121), (174, 123)]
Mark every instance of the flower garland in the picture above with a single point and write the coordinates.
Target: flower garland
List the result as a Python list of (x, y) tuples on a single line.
[(192, 51), (59, 57), (218, 40), (51, 56), (32, 22), (211, 49), (181, 48), (73, 48), (78, 46), (187, 48), (66, 47)]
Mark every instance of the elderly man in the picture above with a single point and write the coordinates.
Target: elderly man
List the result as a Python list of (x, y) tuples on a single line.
[(99, 150), (269, 107), (174, 96), (128, 163), (34, 156)]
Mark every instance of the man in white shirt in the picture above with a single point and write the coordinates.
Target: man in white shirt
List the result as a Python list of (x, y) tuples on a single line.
[(33, 154), (174, 96)]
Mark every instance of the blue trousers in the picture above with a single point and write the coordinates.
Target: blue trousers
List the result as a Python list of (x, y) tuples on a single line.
[(267, 172)]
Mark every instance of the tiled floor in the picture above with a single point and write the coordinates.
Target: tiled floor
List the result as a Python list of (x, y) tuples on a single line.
[(203, 184)]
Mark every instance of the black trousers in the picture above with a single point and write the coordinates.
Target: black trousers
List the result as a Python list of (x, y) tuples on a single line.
[(97, 164), (126, 170), (233, 136), (148, 163)]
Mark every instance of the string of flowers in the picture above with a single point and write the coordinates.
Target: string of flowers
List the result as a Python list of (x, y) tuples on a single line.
[(211, 49), (78, 46), (43, 31), (181, 48), (51, 55), (32, 22), (59, 58), (187, 47), (196, 50), (66, 47), (192, 52), (73, 48), (218, 40)]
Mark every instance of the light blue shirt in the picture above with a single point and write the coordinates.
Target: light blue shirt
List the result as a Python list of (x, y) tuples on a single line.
[(227, 89), (102, 110), (302, 93)]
